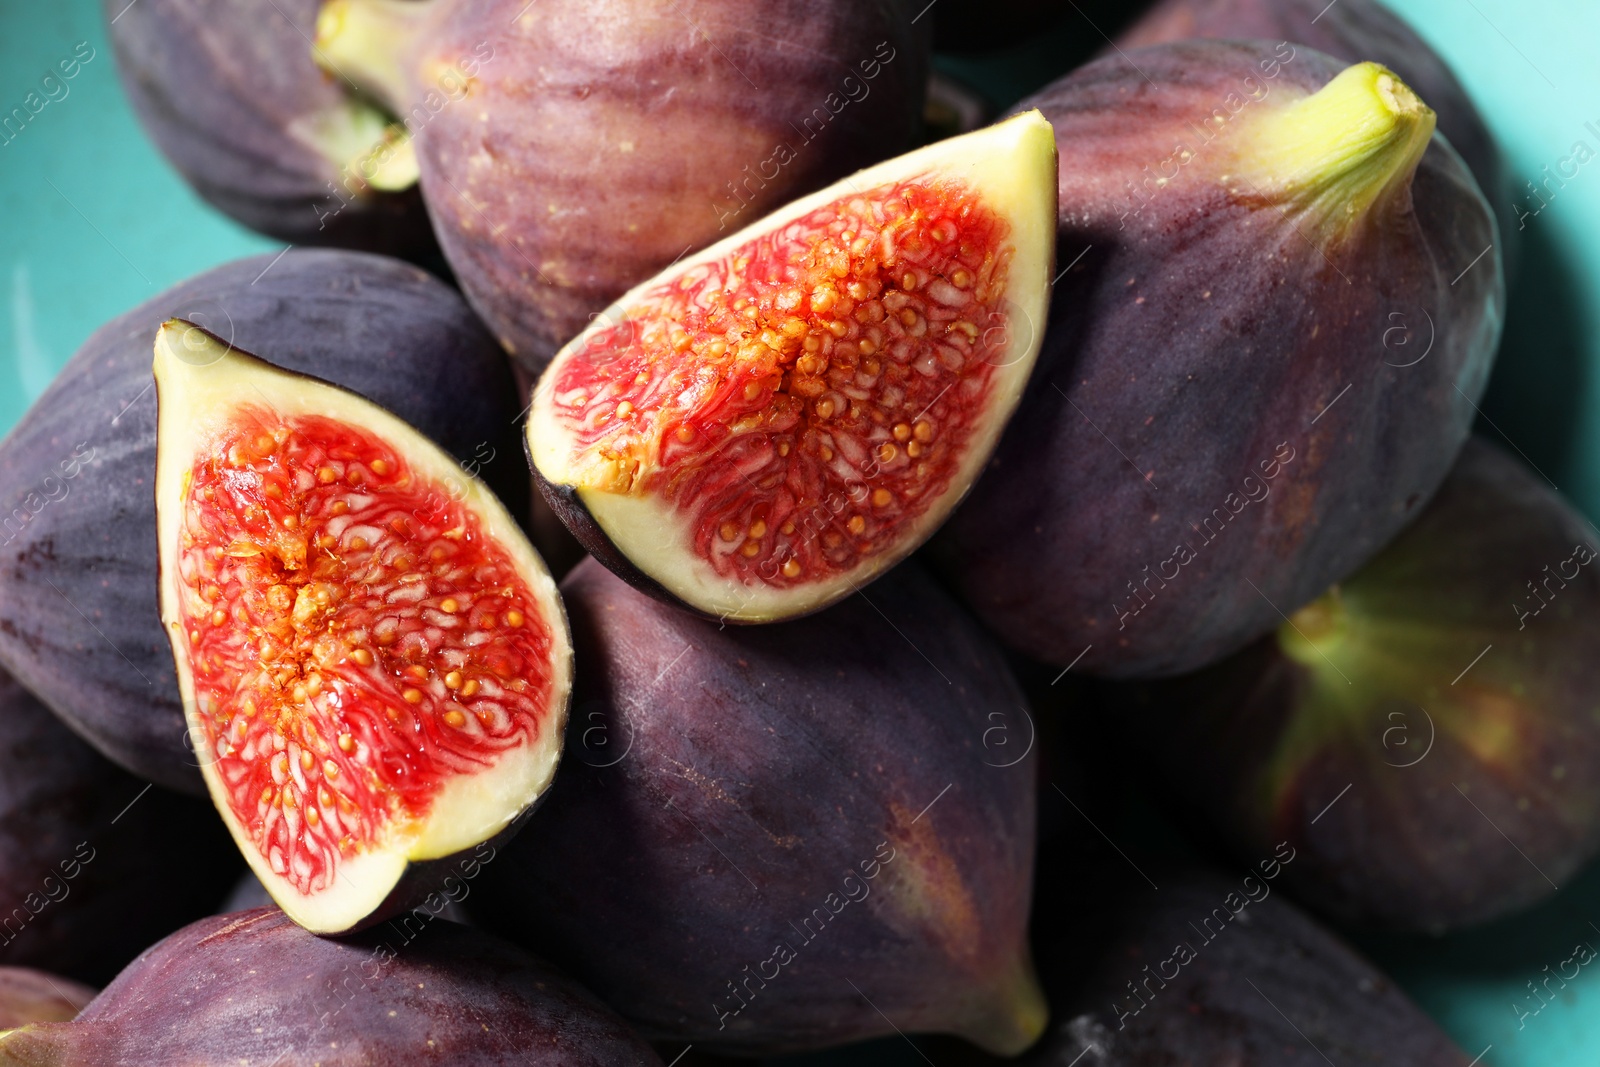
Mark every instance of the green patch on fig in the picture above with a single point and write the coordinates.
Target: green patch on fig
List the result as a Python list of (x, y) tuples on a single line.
[(1281, 301), (374, 657), (1425, 734)]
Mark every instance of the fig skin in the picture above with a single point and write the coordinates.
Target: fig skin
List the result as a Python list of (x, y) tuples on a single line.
[(29, 996), (1440, 759), (92, 866), (254, 987), (598, 142), (1333, 1003), (230, 93), (79, 622), (1202, 341), (722, 782), (1352, 31)]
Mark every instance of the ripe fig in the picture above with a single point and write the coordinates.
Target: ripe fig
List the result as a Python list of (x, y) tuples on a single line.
[(233, 98), (375, 657), (79, 622), (1213, 969), (1351, 30), (598, 142), (1260, 362), (768, 425), (254, 988), (28, 996), (1403, 728), (813, 806), (94, 864)]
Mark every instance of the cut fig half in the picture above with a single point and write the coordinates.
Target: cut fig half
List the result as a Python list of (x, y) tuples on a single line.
[(376, 658), (769, 424)]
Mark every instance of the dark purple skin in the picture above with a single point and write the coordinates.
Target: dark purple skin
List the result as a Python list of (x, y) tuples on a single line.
[(92, 866), (253, 987), (721, 783), (1352, 30), (1202, 345), (701, 92), (79, 619), (1458, 737), (1271, 988), (29, 996), (221, 86)]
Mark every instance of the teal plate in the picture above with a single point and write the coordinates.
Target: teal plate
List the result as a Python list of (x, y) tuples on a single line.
[(93, 221)]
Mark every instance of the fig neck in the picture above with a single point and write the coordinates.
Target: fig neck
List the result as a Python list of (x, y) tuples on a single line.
[(1316, 630), (368, 42), (1342, 152)]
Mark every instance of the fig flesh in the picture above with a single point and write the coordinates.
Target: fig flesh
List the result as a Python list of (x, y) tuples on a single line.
[(255, 988), (28, 996), (230, 94), (599, 141), (1213, 969), (375, 657), (94, 864), (79, 622), (776, 839), (1228, 416), (766, 426), (1401, 729), (1352, 31)]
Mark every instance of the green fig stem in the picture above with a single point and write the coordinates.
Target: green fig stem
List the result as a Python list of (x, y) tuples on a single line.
[(1350, 145), (367, 43), (1011, 1015), (368, 148), (1310, 632)]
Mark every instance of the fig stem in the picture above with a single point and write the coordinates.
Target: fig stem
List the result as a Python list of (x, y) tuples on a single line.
[(26, 1046), (367, 43), (1012, 1015), (1344, 148), (1310, 630)]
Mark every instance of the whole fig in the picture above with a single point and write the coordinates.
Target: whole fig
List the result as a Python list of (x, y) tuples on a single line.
[(1425, 733), (255, 988), (787, 837), (570, 149), (1279, 303)]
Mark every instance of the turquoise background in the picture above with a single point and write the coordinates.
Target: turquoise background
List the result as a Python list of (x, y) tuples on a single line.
[(92, 221)]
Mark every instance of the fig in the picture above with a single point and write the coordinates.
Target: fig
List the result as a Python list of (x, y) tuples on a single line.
[(94, 864), (79, 622), (232, 97), (1352, 31), (780, 839), (1424, 734), (598, 142), (28, 996), (1279, 306), (766, 426), (254, 988), (374, 657), (1217, 969)]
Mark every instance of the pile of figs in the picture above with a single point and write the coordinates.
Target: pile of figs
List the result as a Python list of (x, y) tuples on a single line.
[(706, 596)]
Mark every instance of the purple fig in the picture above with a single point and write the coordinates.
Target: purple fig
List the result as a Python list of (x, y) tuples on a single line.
[(1352, 30), (231, 95), (569, 150), (1424, 734), (255, 988), (79, 621), (1211, 969), (94, 864), (787, 837), (1279, 303), (28, 996)]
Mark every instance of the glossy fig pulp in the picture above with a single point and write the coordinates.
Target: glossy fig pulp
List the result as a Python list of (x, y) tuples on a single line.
[(376, 659), (771, 423)]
